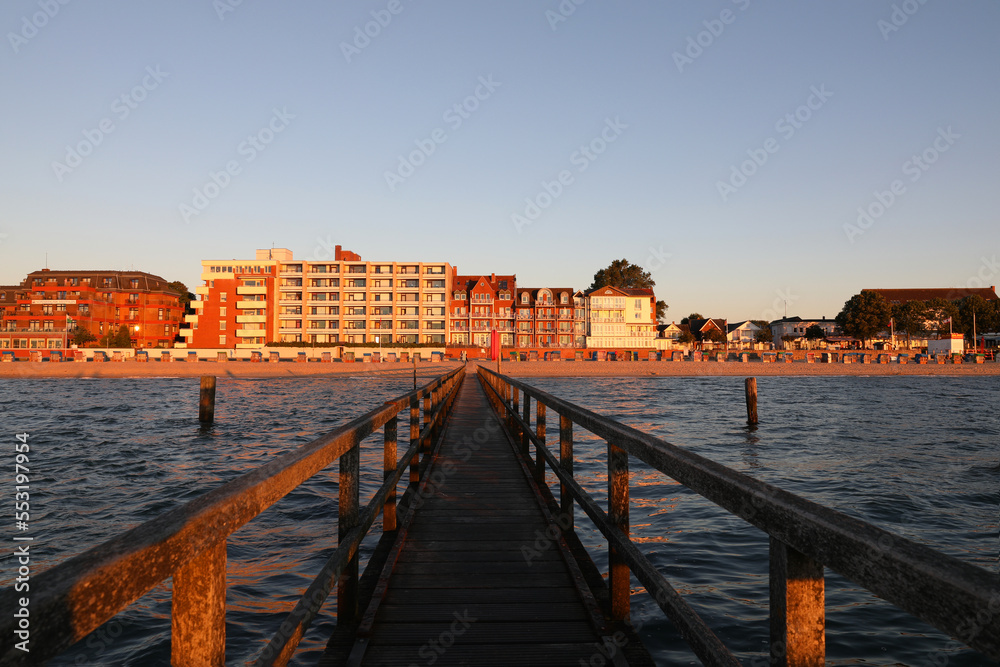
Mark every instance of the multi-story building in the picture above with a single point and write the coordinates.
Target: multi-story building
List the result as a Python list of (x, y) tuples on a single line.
[(43, 311), (546, 317), (248, 303), (621, 318), (480, 304)]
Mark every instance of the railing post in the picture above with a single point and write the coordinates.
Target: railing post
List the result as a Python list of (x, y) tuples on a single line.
[(414, 434), (347, 518), (516, 408), (389, 469), (425, 446), (540, 434), (566, 463), (198, 610), (525, 442), (619, 584), (798, 613)]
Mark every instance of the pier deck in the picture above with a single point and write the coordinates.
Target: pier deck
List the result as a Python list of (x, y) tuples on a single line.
[(462, 591)]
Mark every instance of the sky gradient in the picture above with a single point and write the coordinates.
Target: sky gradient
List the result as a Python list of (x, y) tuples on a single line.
[(725, 146)]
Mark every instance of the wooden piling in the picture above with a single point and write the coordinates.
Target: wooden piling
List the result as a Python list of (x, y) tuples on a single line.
[(751, 391), (206, 407)]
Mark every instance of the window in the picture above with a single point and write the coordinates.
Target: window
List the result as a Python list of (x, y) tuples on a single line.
[(135, 283), (222, 297), (222, 340), (524, 297), (159, 314), (222, 312), (222, 325)]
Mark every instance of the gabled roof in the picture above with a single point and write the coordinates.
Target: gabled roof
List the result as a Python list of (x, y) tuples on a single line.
[(926, 294), (638, 291), (739, 325), (703, 325), (607, 290)]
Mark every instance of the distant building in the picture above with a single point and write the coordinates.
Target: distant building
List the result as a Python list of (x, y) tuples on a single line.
[(901, 296), (480, 304), (247, 303), (621, 318), (548, 317), (795, 329), (742, 334), (709, 332), (44, 310)]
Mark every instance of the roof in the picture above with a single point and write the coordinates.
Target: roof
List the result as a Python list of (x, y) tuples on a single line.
[(927, 293), (737, 325), (638, 291)]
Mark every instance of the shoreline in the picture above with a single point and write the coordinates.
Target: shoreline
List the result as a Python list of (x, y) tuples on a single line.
[(523, 369)]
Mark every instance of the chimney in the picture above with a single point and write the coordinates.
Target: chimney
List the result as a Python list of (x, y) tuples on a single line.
[(493, 277), (337, 254)]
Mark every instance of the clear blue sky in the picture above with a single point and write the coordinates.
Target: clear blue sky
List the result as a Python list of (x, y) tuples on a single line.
[(676, 120)]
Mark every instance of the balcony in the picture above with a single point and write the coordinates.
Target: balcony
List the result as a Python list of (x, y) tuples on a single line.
[(545, 317), (247, 289), (244, 303), (247, 319), (250, 333)]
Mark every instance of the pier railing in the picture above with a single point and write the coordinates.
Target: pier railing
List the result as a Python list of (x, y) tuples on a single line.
[(956, 597), (188, 544)]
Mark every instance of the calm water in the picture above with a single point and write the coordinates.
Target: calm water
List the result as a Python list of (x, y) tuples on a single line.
[(917, 456)]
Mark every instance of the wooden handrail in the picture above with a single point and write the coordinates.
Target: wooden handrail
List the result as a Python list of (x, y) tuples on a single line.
[(75, 597), (956, 597)]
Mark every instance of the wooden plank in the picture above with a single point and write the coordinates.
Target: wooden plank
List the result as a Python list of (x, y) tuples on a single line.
[(482, 632), (557, 611), (489, 655), (403, 596), (486, 568), (475, 581)]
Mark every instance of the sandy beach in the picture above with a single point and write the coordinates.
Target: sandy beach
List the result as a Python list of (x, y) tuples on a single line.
[(287, 369)]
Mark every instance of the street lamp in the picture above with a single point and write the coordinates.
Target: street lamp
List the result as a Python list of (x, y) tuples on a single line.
[(138, 343)]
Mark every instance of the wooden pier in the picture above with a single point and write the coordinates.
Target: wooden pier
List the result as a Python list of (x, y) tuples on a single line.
[(478, 562)]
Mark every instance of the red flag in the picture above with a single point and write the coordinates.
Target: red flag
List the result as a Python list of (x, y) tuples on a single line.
[(494, 345)]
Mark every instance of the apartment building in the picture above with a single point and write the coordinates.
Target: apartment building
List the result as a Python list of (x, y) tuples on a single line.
[(249, 303), (44, 310), (549, 317), (621, 318), (478, 305)]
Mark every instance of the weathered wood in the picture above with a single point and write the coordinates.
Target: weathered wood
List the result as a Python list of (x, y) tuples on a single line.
[(951, 591), (619, 584), (206, 403), (414, 435), (540, 435), (347, 518), (388, 471), (751, 395), (198, 610), (798, 616), (526, 426), (566, 464)]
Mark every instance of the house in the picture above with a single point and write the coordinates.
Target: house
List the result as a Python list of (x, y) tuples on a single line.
[(742, 334), (545, 317), (709, 332), (621, 317), (790, 332), (480, 304)]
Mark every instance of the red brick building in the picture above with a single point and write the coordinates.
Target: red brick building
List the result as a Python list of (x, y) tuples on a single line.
[(478, 305), (549, 317), (42, 312)]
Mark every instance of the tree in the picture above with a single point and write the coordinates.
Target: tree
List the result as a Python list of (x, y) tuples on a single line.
[(865, 315), (984, 312), (764, 335), (686, 337), (120, 339), (82, 336), (692, 316), (938, 313), (181, 289), (909, 319), (815, 332), (625, 275)]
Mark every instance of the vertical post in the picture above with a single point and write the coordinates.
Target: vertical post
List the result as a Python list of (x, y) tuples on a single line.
[(414, 434), (516, 407), (798, 614), (347, 518), (198, 609), (388, 470), (425, 446), (751, 391), (206, 406), (525, 442), (566, 462), (413, 356), (619, 584), (540, 434)]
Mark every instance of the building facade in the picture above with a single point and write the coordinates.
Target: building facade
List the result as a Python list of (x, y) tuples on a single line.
[(43, 312), (621, 318), (549, 317), (478, 305), (276, 298)]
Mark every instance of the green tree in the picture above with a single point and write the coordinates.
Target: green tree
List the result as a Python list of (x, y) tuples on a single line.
[(815, 332), (692, 316), (120, 339), (82, 336), (623, 274), (764, 335), (909, 319), (984, 312), (938, 312), (181, 289), (865, 315), (686, 338)]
